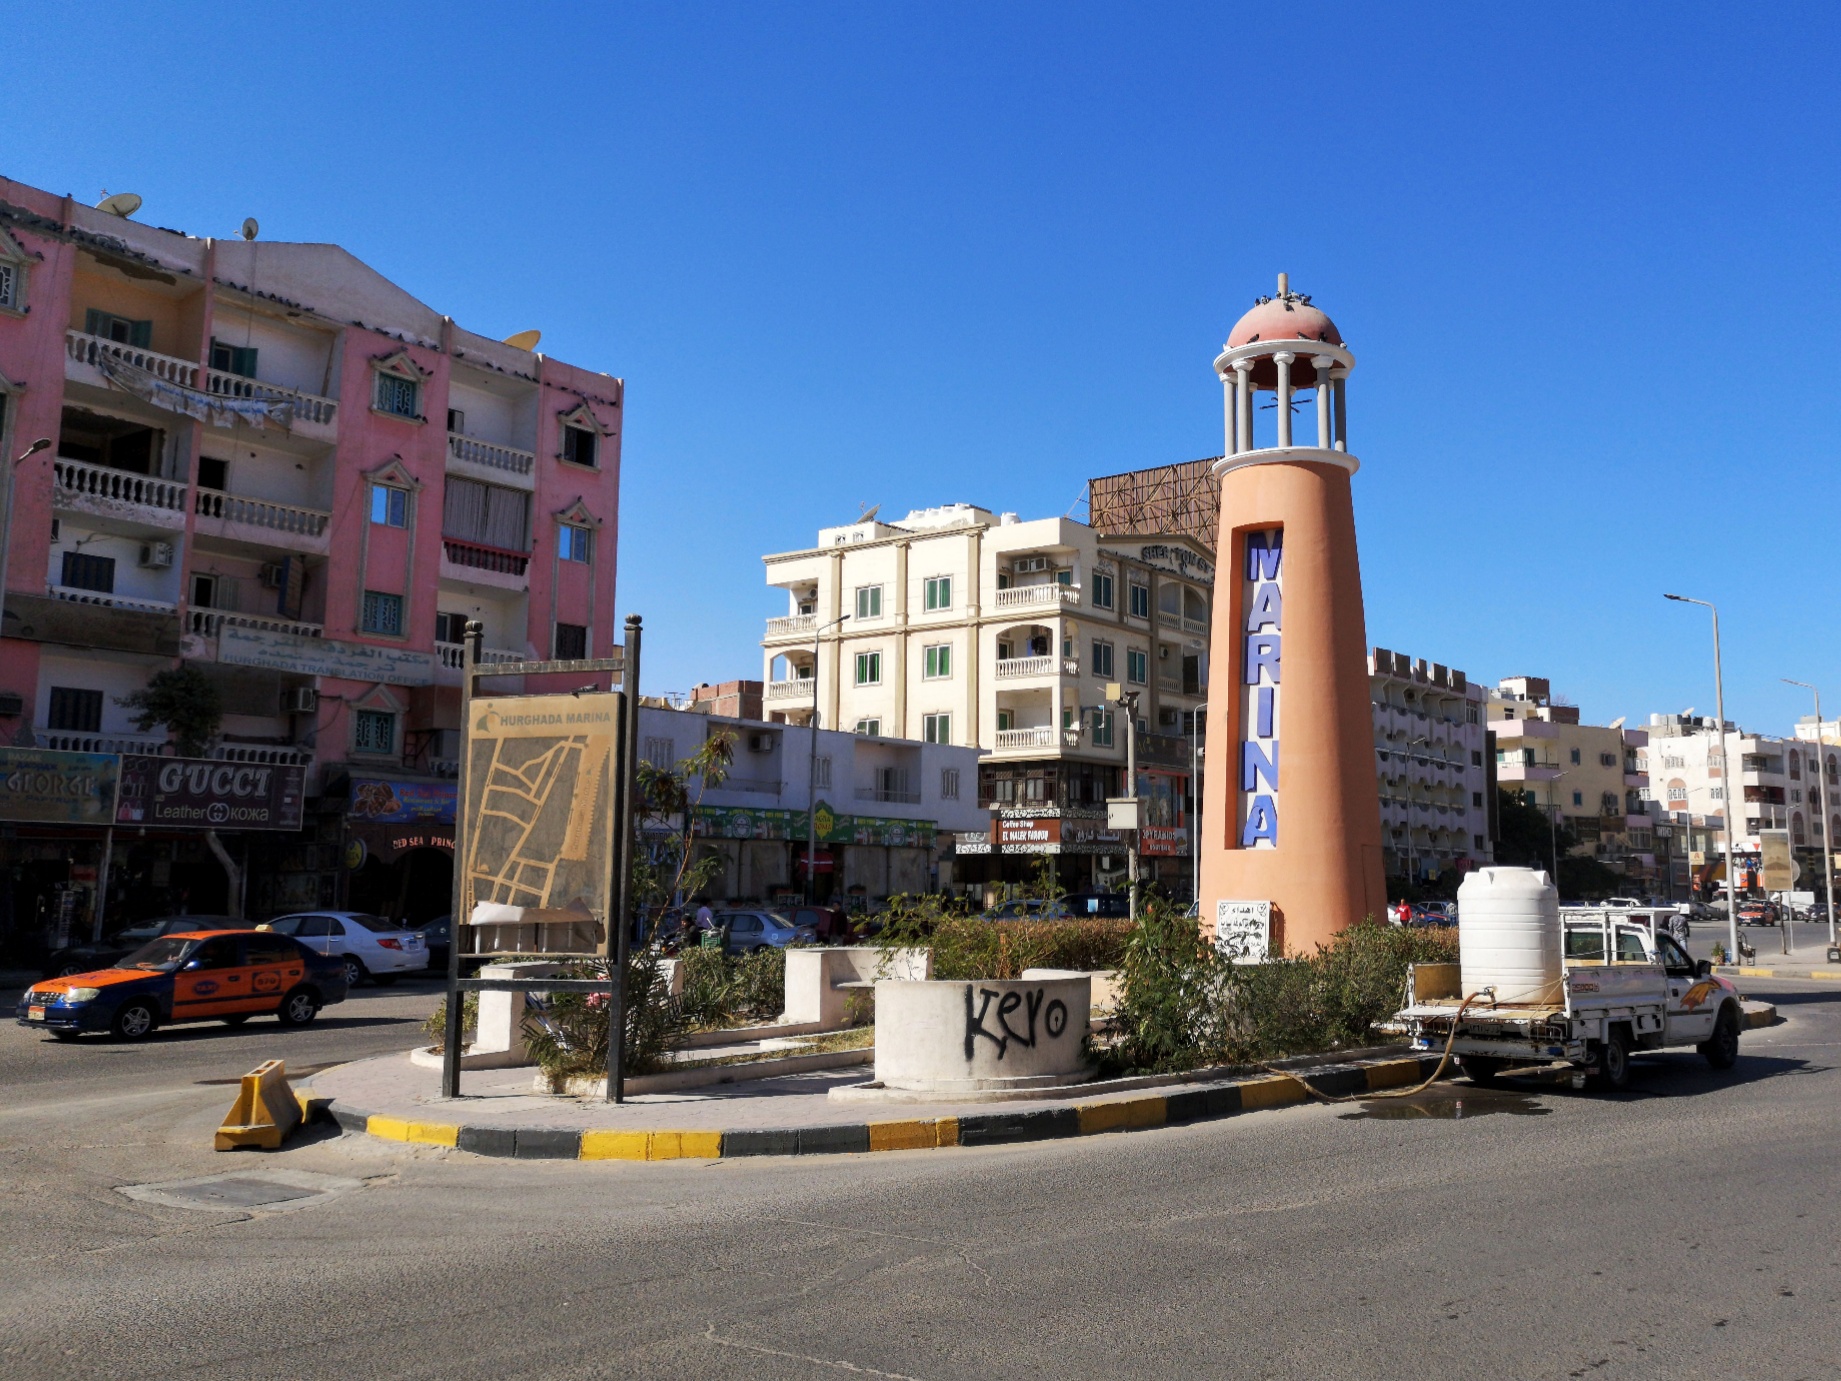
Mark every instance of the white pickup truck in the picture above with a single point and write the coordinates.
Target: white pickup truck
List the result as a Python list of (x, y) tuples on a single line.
[(1624, 987)]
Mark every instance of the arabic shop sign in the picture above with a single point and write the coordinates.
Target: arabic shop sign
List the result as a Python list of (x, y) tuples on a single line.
[(195, 793), (256, 647), (41, 786), (742, 822)]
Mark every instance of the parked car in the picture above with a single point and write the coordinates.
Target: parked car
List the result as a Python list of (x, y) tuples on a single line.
[(1026, 909), (830, 924), (100, 954), (371, 946), (748, 932), (1428, 913), (1110, 904), (198, 975), (437, 935), (1757, 913)]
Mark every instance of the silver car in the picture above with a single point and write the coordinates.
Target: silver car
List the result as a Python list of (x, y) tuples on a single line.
[(373, 947), (754, 930)]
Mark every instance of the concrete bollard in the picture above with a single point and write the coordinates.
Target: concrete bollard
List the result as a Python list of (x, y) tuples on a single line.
[(498, 1040), (817, 979), (952, 1037)]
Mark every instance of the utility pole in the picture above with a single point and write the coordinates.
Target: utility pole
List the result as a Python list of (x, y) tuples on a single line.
[(1727, 779), (1128, 700), (1195, 810)]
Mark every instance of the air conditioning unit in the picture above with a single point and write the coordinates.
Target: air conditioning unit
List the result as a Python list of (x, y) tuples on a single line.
[(760, 743), (273, 575), (1028, 565), (303, 700), (12, 704), (157, 556)]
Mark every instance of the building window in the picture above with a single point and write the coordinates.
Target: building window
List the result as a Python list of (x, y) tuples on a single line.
[(949, 783), (213, 474), (938, 661), (1470, 714), (389, 506), (1578, 798), (1102, 728), (383, 614), (233, 359), (75, 711), (574, 543), (1718, 793), (374, 731), (12, 286), (1476, 798), (456, 421), (1137, 666), (821, 772), (939, 592), (118, 328), (571, 642), (1006, 720), (869, 602), (936, 728), (869, 668), (1478, 845), (1476, 757), (1102, 658), (450, 628), (1140, 601), (870, 727), (489, 514), (1575, 757), (579, 445), (398, 396), (85, 572), (661, 752), (1102, 590)]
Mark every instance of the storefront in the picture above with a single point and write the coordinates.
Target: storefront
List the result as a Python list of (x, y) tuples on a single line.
[(397, 851), (860, 861), (55, 813)]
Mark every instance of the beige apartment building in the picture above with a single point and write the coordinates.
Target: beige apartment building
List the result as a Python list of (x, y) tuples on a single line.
[(960, 626)]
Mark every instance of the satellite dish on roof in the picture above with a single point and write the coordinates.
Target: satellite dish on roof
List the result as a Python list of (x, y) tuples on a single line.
[(524, 340), (868, 515), (250, 228), (1617, 723), (123, 204)]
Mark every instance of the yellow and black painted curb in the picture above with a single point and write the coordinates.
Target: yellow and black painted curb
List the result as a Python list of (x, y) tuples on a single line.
[(1827, 975), (1175, 1105)]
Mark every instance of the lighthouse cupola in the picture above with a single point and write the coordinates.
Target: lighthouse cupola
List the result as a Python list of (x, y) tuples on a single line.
[(1286, 347)]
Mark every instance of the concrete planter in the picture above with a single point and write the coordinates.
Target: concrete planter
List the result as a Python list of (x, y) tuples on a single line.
[(951, 1037)]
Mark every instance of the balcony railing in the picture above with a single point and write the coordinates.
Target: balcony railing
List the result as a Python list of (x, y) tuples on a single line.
[(454, 655), (72, 741), (498, 560), (792, 623), (888, 795), (1013, 668), (111, 601), (87, 349), (73, 479), (209, 621), (489, 454), (308, 407), (263, 754), (1194, 625), (798, 688), (1040, 736), (1051, 596), (279, 517)]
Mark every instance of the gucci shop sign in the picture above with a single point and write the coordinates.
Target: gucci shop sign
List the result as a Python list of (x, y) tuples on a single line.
[(201, 793)]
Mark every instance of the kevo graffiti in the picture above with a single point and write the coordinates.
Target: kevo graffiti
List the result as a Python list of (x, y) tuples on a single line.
[(1259, 675), (204, 793)]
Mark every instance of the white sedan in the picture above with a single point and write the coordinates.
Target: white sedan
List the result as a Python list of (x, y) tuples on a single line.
[(371, 946)]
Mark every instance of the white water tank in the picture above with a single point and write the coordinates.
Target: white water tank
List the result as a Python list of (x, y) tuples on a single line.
[(1509, 934)]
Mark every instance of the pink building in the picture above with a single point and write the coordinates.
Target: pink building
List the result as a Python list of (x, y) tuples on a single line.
[(274, 464)]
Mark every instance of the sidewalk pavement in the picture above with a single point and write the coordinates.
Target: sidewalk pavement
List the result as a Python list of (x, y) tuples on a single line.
[(499, 1115), (1804, 963)]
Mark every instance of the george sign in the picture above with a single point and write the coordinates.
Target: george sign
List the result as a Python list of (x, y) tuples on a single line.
[(1776, 868), (290, 652), (401, 803), (1262, 590), (1243, 930), (202, 793), (41, 786)]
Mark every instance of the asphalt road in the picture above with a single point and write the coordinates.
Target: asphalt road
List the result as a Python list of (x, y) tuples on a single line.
[(1688, 1228)]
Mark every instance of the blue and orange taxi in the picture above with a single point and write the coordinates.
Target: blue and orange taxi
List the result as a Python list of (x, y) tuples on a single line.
[(201, 975)]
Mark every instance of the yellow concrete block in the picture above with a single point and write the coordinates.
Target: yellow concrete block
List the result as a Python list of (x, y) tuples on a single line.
[(1119, 1116), (700, 1145), (946, 1132), (389, 1128), (1825, 973), (1394, 1074), (614, 1145), (433, 1134), (917, 1135), (1275, 1092), (265, 1112), (1757, 973)]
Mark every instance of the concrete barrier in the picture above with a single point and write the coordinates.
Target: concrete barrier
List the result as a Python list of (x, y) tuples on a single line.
[(819, 981), (498, 1039), (957, 1037), (265, 1112)]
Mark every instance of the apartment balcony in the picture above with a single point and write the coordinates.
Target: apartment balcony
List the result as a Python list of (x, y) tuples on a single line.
[(111, 601), (474, 563), (1526, 772), (84, 357), (792, 625), (264, 754), (1039, 736), (453, 656), (1195, 625), (261, 521), (795, 691), (208, 622), (1034, 668), (1051, 596), (489, 461), (103, 492), (888, 795), (311, 414), (72, 741)]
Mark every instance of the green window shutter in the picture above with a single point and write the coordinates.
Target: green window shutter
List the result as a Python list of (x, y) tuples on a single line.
[(95, 323), (243, 360), (140, 334)]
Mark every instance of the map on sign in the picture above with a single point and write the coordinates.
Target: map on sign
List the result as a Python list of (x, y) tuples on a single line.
[(539, 811)]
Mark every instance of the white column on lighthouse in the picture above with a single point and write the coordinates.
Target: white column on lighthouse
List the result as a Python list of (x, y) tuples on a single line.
[(1243, 398), (1325, 388), (1283, 359)]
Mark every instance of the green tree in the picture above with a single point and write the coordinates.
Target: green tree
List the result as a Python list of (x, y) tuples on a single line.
[(183, 699), (1526, 837)]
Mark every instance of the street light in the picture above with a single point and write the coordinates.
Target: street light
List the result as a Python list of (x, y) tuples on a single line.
[(1553, 825), (1128, 700), (1726, 776), (811, 778), (6, 518), (1828, 858), (1195, 809)]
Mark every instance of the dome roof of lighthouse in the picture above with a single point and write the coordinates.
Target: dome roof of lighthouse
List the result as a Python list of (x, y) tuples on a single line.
[(1288, 316)]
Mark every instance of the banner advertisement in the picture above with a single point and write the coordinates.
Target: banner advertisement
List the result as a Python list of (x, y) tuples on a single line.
[(202, 793), (257, 647), (746, 822), (402, 803), (40, 786)]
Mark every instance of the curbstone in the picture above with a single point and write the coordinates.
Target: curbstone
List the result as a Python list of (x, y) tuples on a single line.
[(823, 1141), (1393, 1074), (999, 1128), (488, 1141), (1125, 1115), (760, 1143), (545, 1143), (1202, 1104)]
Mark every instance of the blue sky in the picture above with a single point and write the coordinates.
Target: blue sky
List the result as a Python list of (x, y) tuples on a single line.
[(908, 255)]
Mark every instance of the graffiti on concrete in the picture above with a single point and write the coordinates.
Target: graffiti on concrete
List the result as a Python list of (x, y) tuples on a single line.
[(1052, 1016)]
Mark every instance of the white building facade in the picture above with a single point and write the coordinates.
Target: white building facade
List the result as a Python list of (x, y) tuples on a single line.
[(1436, 777)]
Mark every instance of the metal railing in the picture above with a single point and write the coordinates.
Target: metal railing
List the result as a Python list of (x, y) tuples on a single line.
[(76, 479), (888, 795), (84, 348), (489, 454), (278, 517), (308, 407), (498, 560)]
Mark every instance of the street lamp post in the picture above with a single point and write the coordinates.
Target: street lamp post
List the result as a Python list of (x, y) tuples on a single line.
[(811, 778), (1828, 858), (1553, 825), (1727, 777), (1128, 701), (1195, 810), (6, 517)]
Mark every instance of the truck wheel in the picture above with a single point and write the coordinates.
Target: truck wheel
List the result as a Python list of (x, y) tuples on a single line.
[(1481, 1069), (1614, 1061), (1722, 1047)]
